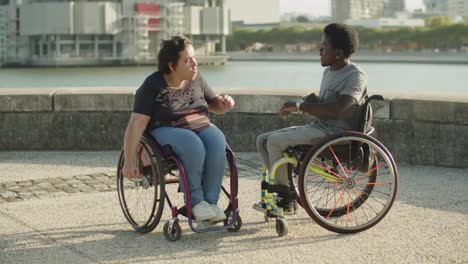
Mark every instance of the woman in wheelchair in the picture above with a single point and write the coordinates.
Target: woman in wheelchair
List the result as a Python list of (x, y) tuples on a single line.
[(172, 105), (337, 108)]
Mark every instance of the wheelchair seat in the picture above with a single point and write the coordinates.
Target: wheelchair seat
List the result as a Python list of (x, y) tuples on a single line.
[(359, 154)]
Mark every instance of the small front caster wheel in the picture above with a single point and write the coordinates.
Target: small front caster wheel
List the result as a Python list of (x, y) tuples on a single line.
[(281, 227), (174, 233), (237, 224)]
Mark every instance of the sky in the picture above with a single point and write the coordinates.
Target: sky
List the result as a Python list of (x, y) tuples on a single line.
[(322, 7)]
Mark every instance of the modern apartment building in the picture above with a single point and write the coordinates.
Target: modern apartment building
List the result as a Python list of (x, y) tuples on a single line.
[(393, 7), (450, 8), (457, 8), (3, 33), (343, 10), (103, 32), (256, 13), (400, 20)]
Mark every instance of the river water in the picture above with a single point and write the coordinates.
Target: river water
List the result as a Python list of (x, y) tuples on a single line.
[(394, 78)]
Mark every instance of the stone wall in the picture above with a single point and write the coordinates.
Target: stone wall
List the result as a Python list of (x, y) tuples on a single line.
[(416, 131)]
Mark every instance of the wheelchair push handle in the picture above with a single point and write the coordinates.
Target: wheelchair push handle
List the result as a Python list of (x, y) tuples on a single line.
[(377, 97)]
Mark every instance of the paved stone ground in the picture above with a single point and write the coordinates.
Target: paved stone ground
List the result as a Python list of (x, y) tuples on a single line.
[(248, 164), (50, 215)]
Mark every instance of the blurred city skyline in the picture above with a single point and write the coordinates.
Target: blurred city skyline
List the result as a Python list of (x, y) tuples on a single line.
[(319, 8)]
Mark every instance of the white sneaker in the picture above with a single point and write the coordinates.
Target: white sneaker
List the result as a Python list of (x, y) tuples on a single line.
[(220, 215), (203, 211)]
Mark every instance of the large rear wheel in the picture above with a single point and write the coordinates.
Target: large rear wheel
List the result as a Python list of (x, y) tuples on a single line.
[(345, 189), (142, 199)]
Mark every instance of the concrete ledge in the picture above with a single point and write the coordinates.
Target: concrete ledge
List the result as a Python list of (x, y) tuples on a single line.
[(434, 111), (260, 103), (94, 99), (425, 143), (415, 131), (98, 130), (26, 100)]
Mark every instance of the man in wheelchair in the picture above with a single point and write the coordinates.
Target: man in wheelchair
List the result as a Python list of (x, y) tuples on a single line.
[(337, 108)]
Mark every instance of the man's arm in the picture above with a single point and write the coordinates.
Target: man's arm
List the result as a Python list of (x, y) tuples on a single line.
[(135, 128), (323, 111), (221, 104)]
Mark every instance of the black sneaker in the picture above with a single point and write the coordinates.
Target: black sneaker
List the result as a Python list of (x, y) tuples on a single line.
[(289, 208), (288, 203)]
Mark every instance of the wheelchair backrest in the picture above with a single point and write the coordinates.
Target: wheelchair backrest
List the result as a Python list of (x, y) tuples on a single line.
[(365, 122)]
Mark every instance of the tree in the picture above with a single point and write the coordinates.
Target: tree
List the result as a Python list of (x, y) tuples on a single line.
[(302, 19), (438, 21)]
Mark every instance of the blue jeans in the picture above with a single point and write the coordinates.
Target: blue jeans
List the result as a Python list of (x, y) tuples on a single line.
[(203, 156)]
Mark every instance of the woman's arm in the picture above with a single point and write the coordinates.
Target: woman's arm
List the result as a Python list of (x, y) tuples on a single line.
[(135, 128), (221, 104)]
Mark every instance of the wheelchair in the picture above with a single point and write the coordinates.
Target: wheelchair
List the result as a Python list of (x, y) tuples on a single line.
[(142, 200), (347, 182)]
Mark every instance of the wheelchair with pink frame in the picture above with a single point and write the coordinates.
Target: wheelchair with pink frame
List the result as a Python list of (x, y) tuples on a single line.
[(347, 182), (142, 200)]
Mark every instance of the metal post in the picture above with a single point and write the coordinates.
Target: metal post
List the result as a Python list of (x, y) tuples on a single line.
[(96, 46), (41, 51), (223, 44), (57, 46), (114, 47), (77, 46)]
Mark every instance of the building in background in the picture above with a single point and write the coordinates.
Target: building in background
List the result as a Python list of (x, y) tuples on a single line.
[(466, 8), (393, 7), (456, 8), (254, 14), (401, 19), (436, 7), (48, 32), (451, 8), (3, 33), (343, 10), (12, 46)]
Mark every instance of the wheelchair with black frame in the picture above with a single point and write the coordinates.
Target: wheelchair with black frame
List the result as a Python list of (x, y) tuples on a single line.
[(142, 199), (347, 182)]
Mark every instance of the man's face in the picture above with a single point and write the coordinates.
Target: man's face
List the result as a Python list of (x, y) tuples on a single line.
[(187, 66), (327, 52)]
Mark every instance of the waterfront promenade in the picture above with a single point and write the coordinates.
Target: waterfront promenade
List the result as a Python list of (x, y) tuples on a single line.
[(360, 56), (62, 207)]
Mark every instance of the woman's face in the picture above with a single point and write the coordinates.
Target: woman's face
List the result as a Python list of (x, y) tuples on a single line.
[(327, 52), (187, 66)]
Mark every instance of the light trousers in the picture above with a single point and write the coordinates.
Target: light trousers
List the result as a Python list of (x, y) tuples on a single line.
[(271, 145)]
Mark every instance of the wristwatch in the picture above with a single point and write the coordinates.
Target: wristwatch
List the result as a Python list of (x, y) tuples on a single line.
[(298, 105)]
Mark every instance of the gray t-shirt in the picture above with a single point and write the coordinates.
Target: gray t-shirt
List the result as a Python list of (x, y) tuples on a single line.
[(349, 80)]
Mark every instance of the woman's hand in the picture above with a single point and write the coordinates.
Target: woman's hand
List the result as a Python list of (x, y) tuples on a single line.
[(129, 171), (221, 104), (287, 108), (227, 102)]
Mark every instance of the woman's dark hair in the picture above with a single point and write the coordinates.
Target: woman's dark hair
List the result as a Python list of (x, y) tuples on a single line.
[(170, 52), (342, 37)]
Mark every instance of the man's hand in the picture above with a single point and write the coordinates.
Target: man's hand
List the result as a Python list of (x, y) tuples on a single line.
[(287, 108), (312, 98)]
